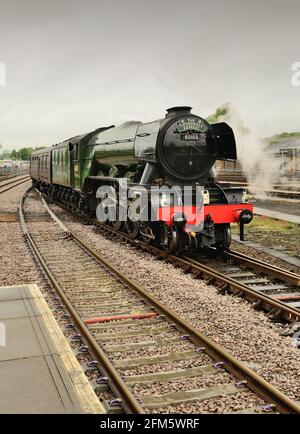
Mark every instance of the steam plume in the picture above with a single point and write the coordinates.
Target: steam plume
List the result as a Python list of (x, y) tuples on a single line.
[(261, 168)]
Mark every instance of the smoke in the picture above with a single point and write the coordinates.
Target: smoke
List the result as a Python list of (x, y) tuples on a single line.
[(261, 168)]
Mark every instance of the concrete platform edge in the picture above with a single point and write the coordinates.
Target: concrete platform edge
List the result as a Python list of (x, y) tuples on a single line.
[(84, 391)]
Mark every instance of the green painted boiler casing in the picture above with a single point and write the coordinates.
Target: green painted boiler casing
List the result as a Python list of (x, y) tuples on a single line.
[(115, 148)]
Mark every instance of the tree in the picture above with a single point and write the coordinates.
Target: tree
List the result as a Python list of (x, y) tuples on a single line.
[(24, 153), (219, 113), (228, 113), (6, 154), (14, 155)]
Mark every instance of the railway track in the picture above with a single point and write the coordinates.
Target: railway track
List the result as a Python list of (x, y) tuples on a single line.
[(266, 286), (149, 356), (11, 176), (6, 186)]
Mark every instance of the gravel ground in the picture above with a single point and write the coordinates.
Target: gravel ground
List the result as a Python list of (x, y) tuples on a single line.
[(50, 239), (230, 403), (178, 347), (135, 339), (76, 272), (16, 265), (169, 366), (134, 327), (201, 382), (9, 200), (232, 322), (223, 404)]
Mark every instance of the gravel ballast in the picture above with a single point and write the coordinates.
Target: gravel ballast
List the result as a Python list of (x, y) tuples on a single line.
[(232, 322), (17, 266)]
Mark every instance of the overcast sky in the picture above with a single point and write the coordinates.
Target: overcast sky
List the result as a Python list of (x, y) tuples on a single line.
[(72, 66)]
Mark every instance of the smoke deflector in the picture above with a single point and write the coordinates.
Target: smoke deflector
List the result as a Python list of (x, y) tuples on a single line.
[(223, 142)]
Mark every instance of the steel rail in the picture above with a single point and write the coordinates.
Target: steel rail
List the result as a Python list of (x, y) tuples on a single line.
[(118, 385), (200, 270), (261, 266), (226, 283), (15, 175), (15, 184), (255, 383), (12, 179)]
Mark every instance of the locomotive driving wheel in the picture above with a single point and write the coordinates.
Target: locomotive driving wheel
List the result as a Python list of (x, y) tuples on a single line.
[(224, 235), (116, 225), (132, 228), (169, 238)]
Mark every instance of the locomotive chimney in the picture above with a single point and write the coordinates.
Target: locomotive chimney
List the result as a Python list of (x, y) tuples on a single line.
[(179, 110)]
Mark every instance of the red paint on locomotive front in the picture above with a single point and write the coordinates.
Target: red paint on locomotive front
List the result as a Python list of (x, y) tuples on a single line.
[(219, 213)]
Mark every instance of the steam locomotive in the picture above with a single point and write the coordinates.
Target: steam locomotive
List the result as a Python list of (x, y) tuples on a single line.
[(178, 150)]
